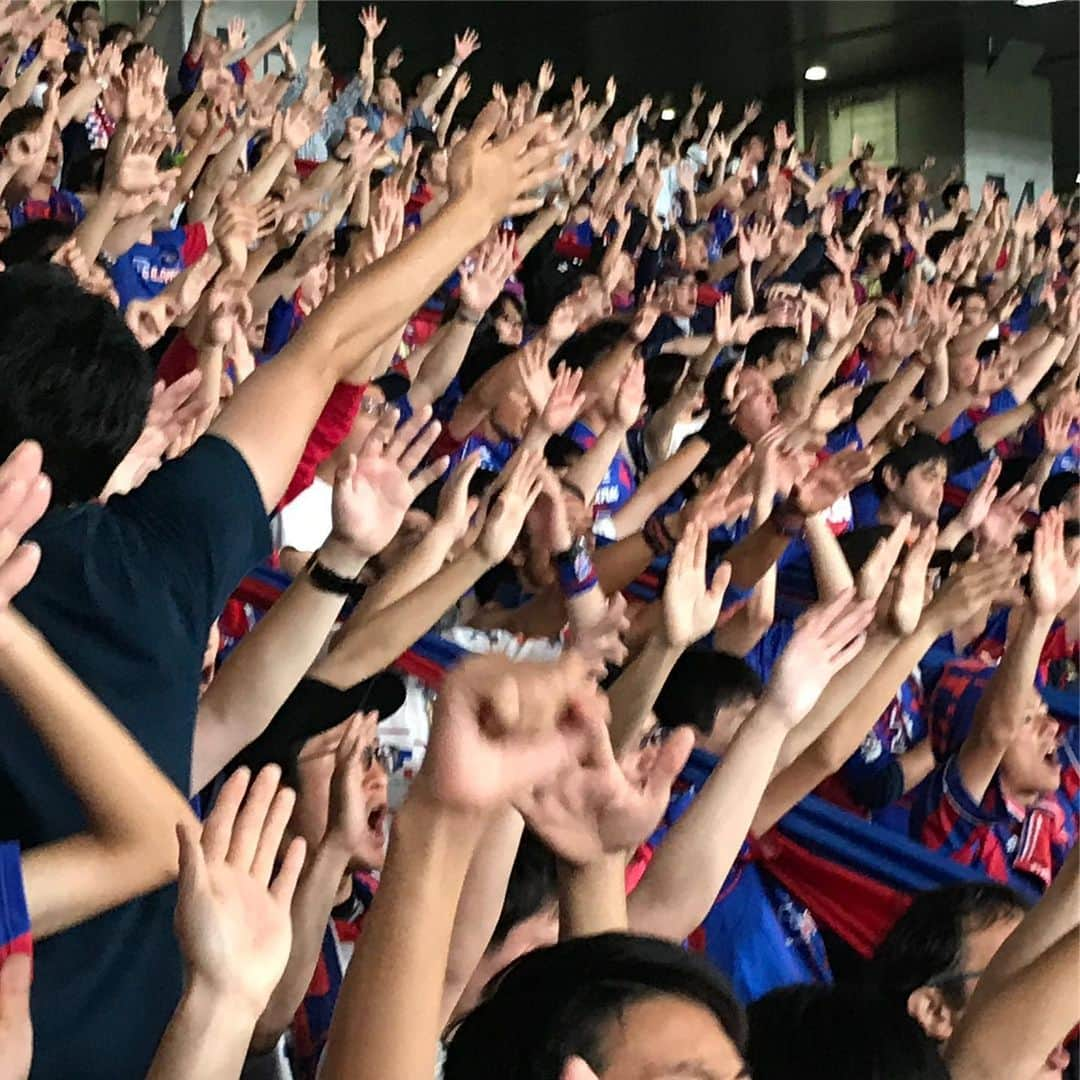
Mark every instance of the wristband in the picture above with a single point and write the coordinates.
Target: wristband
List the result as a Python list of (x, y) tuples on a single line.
[(466, 316), (788, 519), (326, 580), (575, 569), (657, 536)]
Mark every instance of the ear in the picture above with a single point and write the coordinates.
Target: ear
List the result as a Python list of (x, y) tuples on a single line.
[(890, 477), (927, 1006)]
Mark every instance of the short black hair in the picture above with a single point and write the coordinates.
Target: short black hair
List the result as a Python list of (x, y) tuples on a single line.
[(764, 342), (560, 1001), (75, 379), (532, 886), (585, 349), (35, 242), (858, 545), (927, 941), (25, 118), (874, 246), (131, 53), (113, 31), (79, 9), (961, 292), (952, 192), (661, 378), (700, 683), (936, 245), (838, 1033), (918, 450), (1056, 490)]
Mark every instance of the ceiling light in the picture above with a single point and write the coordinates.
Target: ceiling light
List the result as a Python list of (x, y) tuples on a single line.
[(667, 114), (1033, 3), (816, 73)]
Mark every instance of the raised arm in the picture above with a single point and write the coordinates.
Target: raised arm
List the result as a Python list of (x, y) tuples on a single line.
[(375, 301)]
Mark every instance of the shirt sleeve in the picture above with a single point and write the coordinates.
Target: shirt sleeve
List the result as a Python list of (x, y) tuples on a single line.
[(14, 913), (194, 245), (201, 520), (947, 817), (341, 110)]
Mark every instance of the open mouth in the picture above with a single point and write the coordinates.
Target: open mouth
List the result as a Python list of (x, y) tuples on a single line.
[(376, 822)]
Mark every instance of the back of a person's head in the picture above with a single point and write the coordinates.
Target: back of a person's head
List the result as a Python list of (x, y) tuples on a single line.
[(661, 378), (837, 1033), (927, 941), (35, 242), (951, 193), (584, 349), (875, 246), (74, 378), (918, 450), (700, 683), (563, 1000)]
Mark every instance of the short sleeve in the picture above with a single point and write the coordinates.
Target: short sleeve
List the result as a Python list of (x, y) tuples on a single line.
[(306, 521), (201, 522), (14, 913), (947, 818)]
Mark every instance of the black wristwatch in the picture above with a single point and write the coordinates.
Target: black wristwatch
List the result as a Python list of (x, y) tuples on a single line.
[(328, 581)]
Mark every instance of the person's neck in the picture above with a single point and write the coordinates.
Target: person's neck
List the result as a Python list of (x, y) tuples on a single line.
[(1021, 798), (594, 420), (40, 190), (888, 513)]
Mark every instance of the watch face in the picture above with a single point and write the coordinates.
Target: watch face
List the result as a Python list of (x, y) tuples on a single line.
[(581, 559)]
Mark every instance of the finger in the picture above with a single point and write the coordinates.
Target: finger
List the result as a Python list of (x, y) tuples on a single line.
[(720, 582), (23, 463), (17, 571), (277, 820), (191, 860), (428, 475), (219, 825), (284, 884), (249, 822), (418, 449)]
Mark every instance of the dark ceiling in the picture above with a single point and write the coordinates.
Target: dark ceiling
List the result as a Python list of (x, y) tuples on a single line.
[(738, 50)]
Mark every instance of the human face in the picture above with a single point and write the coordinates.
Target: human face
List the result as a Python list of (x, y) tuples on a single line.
[(55, 160), (758, 410), (1030, 767), (921, 491), (315, 769), (508, 324), (755, 149), (973, 309), (437, 167), (697, 252), (830, 287), (878, 338), (728, 720), (90, 26), (198, 124), (789, 355), (684, 296), (665, 1037), (963, 369), (388, 95), (5, 223)]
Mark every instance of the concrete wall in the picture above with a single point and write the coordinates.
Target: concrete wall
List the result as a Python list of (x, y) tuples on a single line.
[(1008, 122)]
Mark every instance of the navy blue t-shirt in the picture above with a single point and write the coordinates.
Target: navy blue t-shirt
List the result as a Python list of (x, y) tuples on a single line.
[(125, 594)]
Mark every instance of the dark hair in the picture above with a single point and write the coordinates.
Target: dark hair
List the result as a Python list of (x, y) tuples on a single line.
[(79, 9), (918, 450), (532, 886), (75, 377), (131, 53), (583, 350), (858, 544), (961, 292), (838, 1033), (113, 31), (874, 246), (560, 452), (86, 173), (560, 1001), (661, 378), (25, 118), (952, 192), (927, 941), (936, 245), (700, 684), (764, 342), (34, 242), (1056, 490)]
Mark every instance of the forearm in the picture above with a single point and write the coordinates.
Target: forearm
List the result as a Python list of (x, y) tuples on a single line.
[(76, 104), (588, 472), (369, 646), (94, 229), (257, 184), (995, 428), (443, 361), (20, 93), (404, 949), (265, 667), (311, 908), (831, 572), (1002, 1037), (635, 691), (207, 1037), (896, 393), (690, 866), (592, 898), (480, 904), (266, 44), (658, 486)]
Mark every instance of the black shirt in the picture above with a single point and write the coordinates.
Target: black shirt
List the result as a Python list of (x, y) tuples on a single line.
[(125, 594)]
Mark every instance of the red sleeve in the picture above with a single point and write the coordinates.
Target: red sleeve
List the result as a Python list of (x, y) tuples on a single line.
[(195, 244), (179, 358), (334, 423), (446, 445), (241, 71)]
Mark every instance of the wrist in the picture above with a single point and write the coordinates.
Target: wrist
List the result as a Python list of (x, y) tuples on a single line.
[(213, 1005), (468, 315), (341, 556), (787, 518)]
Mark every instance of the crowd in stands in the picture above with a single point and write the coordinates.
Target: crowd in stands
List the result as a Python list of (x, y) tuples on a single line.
[(497, 584)]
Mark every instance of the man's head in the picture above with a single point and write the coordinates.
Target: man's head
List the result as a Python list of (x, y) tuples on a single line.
[(911, 479), (75, 379), (1062, 489), (388, 95), (875, 253), (777, 347), (697, 250), (758, 410), (629, 1006), (28, 118), (931, 961), (684, 291), (973, 306), (85, 21), (1030, 767), (953, 192), (713, 692), (880, 334)]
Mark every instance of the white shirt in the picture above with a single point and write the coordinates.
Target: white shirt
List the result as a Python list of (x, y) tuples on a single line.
[(306, 522)]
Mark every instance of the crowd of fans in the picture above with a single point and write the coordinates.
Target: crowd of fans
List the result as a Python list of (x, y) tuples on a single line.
[(450, 546)]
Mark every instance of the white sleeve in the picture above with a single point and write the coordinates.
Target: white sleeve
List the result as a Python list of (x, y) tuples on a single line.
[(305, 522)]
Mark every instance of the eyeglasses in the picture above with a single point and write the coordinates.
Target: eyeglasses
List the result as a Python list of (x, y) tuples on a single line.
[(389, 757), (370, 407)]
